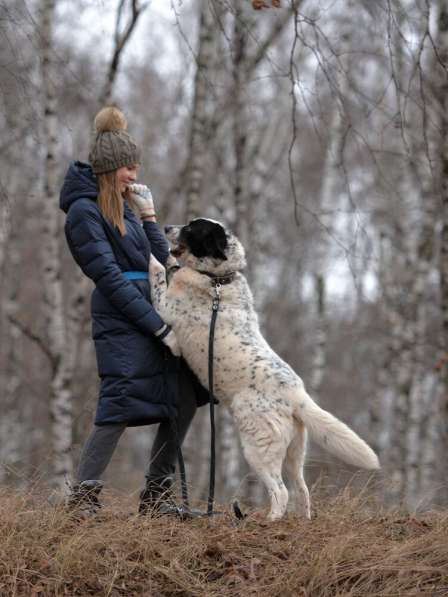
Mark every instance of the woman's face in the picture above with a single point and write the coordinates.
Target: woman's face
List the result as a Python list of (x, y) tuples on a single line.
[(126, 175)]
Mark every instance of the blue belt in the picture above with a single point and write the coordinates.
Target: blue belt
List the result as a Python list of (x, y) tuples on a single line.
[(135, 275)]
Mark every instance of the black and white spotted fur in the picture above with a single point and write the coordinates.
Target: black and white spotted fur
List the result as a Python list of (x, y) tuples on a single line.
[(267, 399)]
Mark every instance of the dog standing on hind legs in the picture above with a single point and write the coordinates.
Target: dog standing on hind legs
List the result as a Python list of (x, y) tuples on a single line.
[(267, 399)]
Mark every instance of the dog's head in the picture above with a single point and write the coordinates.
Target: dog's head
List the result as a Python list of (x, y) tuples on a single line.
[(205, 245)]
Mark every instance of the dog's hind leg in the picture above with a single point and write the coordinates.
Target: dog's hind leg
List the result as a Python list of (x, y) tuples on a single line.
[(266, 461), (265, 435), (295, 459), (271, 475)]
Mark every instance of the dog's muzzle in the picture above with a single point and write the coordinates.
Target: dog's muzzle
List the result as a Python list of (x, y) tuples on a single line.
[(172, 234)]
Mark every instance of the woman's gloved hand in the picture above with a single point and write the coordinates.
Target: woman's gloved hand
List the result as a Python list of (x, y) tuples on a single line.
[(169, 338), (142, 197)]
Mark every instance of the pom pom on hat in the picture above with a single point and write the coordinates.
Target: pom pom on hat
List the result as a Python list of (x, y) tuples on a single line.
[(110, 119)]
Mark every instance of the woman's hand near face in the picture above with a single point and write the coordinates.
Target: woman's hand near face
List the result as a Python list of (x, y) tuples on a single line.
[(142, 197)]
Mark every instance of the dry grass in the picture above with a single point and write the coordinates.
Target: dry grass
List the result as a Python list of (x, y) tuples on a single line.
[(349, 548)]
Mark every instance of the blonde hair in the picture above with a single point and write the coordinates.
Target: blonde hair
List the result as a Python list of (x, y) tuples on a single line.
[(111, 201)]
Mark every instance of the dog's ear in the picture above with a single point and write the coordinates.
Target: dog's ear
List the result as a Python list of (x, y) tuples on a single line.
[(215, 243)]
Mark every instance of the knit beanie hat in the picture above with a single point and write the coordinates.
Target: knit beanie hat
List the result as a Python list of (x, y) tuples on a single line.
[(112, 146)]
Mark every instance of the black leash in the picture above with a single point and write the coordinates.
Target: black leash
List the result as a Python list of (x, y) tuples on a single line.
[(184, 511), (215, 308)]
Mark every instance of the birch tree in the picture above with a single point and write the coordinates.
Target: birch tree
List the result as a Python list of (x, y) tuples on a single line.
[(10, 425), (333, 172), (414, 243), (443, 263), (231, 454), (197, 150), (60, 390)]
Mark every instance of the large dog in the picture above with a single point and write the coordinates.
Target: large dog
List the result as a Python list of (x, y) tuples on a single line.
[(267, 399)]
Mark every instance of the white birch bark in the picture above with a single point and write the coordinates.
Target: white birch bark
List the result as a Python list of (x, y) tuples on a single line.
[(419, 400), (405, 418), (60, 398), (410, 262), (417, 260)]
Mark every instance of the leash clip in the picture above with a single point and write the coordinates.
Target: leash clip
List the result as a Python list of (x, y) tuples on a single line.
[(216, 297)]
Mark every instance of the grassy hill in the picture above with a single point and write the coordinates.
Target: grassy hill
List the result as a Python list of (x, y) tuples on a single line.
[(349, 548)]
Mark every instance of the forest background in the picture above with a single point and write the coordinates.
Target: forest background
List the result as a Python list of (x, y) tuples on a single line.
[(318, 132)]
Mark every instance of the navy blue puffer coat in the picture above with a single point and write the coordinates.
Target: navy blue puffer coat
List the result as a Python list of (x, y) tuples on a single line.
[(137, 372)]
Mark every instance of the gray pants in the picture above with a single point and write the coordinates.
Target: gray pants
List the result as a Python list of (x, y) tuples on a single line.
[(101, 443)]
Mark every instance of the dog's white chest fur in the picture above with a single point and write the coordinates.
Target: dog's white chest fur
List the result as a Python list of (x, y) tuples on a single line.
[(242, 357)]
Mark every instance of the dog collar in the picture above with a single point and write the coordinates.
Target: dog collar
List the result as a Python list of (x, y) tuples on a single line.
[(221, 280)]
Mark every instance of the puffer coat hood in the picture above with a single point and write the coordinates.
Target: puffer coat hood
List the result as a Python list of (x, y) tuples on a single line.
[(80, 182)]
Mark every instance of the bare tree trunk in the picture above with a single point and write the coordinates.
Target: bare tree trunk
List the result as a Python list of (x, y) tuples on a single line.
[(240, 190), (332, 173), (60, 387), (319, 357), (412, 263), (443, 265), (196, 147), (10, 425), (5, 225), (419, 400), (429, 466), (421, 419), (381, 403)]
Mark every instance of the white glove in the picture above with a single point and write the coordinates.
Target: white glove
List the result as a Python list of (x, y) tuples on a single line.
[(170, 340), (142, 197)]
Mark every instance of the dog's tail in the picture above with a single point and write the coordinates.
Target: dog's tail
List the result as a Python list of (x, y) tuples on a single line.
[(333, 435)]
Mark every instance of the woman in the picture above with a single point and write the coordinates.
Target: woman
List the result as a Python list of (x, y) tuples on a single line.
[(135, 349)]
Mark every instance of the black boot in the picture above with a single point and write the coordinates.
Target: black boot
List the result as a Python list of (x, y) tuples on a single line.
[(157, 498), (83, 499)]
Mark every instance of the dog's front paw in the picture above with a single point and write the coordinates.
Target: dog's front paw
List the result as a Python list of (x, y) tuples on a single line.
[(155, 267)]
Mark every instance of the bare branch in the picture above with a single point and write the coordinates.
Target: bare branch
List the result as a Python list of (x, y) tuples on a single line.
[(275, 33), (292, 72), (34, 337), (121, 40)]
